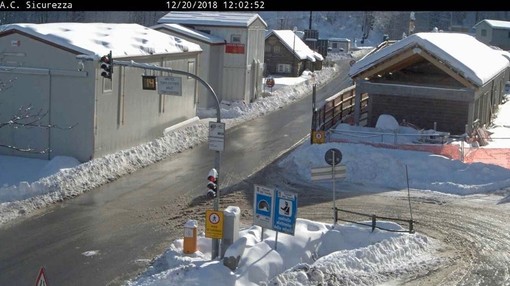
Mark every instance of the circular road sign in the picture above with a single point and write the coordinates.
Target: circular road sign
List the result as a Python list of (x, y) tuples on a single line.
[(333, 152)]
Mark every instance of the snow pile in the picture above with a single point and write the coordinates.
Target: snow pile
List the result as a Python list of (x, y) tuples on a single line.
[(316, 254), (387, 167)]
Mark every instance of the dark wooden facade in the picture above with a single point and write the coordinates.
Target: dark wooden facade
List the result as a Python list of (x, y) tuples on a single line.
[(281, 60), (418, 88)]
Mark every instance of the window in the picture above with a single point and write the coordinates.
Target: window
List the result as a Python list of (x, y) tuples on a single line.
[(334, 45), (191, 68), (107, 85), (484, 33), (235, 38), (284, 68)]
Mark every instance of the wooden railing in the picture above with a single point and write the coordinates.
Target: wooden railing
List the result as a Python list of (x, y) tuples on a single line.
[(340, 108)]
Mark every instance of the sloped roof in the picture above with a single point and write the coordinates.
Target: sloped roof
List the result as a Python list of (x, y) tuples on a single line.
[(226, 19), (97, 39), (295, 44), (496, 24), (469, 57), (194, 34)]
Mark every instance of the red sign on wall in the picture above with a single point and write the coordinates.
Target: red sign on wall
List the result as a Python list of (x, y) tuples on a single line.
[(234, 48)]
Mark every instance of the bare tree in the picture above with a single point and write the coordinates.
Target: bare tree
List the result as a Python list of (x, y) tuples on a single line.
[(24, 117)]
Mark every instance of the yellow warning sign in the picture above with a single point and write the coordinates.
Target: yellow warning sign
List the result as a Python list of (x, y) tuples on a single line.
[(214, 224), (318, 136)]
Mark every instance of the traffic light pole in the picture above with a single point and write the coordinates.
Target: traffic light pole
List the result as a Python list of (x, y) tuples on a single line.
[(215, 242)]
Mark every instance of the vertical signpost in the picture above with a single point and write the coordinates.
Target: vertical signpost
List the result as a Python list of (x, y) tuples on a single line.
[(174, 86), (333, 156)]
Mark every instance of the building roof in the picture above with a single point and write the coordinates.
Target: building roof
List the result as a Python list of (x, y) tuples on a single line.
[(295, 44), (496, 24), (339, 39), (469, 57), (97, 39), (192, 33), (226, 19)]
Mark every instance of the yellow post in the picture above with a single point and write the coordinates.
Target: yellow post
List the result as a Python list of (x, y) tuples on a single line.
[(190, 236)]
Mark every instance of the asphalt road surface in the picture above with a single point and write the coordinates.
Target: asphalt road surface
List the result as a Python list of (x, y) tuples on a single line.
[(110, 234)]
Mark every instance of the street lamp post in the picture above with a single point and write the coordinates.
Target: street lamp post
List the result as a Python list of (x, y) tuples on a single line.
[(217, 160)]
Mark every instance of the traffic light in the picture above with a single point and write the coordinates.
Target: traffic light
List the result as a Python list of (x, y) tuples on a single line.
[(212, 183), (107, 65)]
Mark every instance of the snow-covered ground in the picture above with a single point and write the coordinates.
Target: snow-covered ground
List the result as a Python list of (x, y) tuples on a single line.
[(354, 253)]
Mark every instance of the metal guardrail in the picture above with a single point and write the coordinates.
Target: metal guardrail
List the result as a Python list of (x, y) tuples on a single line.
[(374, 221)]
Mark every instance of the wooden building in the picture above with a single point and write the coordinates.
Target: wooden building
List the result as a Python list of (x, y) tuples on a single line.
[(450, 79), (286, 54)]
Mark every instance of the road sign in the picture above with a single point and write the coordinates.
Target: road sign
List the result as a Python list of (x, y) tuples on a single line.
[(333, 154), (318, 136), (214, 224), (148, 82), (171, 85), (263, 206), (326, 173), (275, 209), (41, 278), (216, 136), (270, 82), (285, 212)]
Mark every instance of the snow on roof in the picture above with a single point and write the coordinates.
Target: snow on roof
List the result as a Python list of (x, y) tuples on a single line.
[(294, 43), (195, 34), (226, 19), (473, 59), (97, 39), (496, 24), (339, 39)]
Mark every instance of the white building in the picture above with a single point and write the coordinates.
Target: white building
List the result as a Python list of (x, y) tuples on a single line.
[(55, 67), (209, 61), (339, 45), (236, 72)]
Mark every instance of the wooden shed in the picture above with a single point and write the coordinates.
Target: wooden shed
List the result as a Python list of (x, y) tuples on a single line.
[(287, 54), (450, 79), (55, 67), (238, 75)]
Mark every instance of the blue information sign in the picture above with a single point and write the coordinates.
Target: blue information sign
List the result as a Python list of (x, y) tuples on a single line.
[(263, 206), (285, 212)]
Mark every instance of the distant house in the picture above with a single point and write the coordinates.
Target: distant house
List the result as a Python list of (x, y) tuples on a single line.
[(494, 33), (449, 79), (340, 45), (286, 53), (55, 67), (236, 72)]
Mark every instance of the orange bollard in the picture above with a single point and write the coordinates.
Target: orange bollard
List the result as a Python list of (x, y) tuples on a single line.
[(190, 236)]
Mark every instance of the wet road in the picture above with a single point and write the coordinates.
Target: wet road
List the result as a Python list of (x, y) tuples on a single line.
[(110, 234)]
